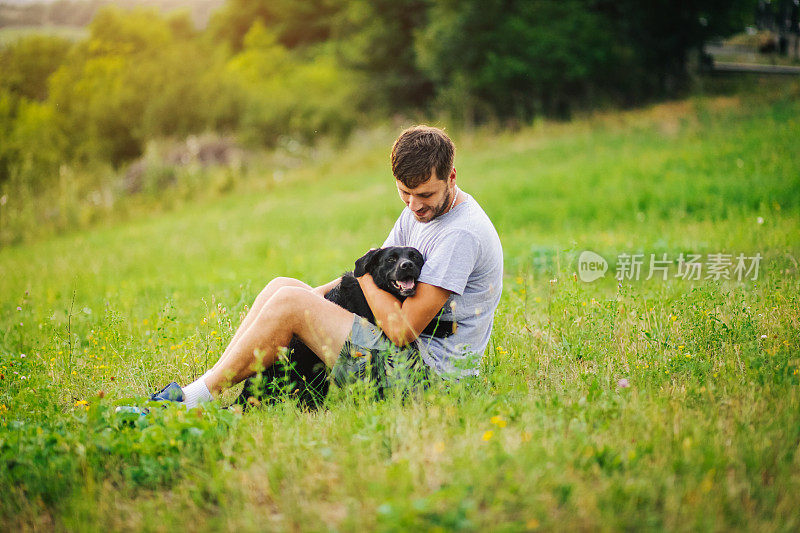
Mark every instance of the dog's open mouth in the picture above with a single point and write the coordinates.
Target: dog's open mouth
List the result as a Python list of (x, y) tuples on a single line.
[(405, 287)]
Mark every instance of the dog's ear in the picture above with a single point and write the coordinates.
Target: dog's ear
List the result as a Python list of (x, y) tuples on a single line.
[(364, 263)]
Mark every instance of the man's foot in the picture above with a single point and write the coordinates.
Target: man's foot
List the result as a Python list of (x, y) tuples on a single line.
[(170, 393)]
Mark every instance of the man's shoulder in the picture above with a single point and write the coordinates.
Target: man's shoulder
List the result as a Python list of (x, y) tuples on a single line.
[(475, 222)]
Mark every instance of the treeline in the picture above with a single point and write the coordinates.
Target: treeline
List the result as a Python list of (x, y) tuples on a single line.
[(267, 69)]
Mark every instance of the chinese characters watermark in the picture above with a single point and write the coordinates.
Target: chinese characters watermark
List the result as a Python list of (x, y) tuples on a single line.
[(635, 267)]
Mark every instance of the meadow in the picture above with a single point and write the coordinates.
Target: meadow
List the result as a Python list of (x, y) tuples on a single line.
[(11, 34), (611, 405)]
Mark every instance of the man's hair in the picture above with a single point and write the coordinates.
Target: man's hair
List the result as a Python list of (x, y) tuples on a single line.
[(418, 152)]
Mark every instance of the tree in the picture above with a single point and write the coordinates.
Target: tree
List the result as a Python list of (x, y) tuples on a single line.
[(660, 34), (376, 38), (514, 58), (26, 64), (284, 94), (137, 77), (295, 24)]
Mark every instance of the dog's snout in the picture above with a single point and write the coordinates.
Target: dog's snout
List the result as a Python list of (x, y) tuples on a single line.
[(406, 265)]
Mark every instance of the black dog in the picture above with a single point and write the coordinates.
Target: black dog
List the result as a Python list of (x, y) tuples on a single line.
[(303, 375)]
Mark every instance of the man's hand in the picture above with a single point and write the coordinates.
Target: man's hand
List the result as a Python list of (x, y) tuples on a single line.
[(402, 321), (322, 290)]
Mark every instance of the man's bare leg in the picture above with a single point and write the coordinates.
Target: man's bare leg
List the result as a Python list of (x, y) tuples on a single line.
[(290, 310), (262, 298), (258, 304)]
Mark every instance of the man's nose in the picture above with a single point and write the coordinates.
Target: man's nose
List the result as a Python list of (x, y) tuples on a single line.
[(414, 204)]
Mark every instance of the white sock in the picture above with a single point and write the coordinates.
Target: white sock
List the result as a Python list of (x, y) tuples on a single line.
[(196, 392)]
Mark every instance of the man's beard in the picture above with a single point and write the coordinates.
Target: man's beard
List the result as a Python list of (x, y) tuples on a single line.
[(441, 208)]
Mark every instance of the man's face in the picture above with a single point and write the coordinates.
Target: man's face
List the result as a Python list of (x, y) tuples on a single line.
[(429, 199)]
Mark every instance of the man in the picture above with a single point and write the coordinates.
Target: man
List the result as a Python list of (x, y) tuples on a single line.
[(462, 273)]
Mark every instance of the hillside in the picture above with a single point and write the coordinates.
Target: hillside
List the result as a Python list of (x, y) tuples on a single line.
[(617, 404)]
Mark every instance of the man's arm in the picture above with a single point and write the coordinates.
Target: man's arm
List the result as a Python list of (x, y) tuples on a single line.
[(402, 321)]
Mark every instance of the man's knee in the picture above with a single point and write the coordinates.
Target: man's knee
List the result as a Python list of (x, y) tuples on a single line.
[(288, 303), (290, 296), (277, 283), (273, 286)]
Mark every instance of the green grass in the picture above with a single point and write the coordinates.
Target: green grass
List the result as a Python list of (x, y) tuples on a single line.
[(705, 437), (14, 33)]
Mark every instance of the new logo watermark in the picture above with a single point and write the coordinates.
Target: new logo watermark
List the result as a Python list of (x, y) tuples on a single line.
[(591, 266), (634, 267)]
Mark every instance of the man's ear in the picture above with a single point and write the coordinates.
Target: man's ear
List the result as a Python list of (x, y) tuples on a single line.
[(364, 263)]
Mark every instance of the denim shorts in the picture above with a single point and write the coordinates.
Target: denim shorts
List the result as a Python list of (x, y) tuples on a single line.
[(369, 356)]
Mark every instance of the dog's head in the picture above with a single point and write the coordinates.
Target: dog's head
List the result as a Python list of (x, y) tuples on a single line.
[(394, 269)]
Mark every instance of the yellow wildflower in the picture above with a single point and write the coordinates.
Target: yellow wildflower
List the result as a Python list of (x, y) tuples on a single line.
[(488, 435), (498, 421)]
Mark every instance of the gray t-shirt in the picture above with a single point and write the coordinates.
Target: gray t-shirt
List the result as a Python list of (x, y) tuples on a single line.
[(463, 255)]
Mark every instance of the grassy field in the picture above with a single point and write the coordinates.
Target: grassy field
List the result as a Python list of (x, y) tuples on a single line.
[(635, 405), (14, 33)]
